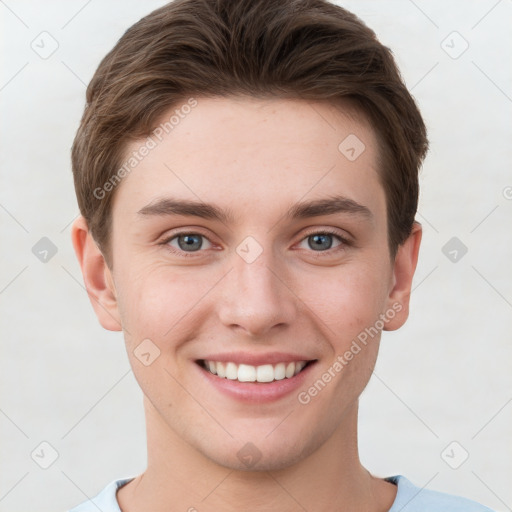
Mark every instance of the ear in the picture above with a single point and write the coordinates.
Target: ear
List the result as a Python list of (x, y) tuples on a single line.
[(403, 271), (97, 276)]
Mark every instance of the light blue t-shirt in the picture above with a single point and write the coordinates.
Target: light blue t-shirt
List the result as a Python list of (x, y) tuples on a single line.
[(409, 498)]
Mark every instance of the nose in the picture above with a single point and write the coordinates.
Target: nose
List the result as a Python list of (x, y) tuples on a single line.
[(256, 297)]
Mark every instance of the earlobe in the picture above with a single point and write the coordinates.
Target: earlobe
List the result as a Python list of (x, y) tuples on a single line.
[(97, 276), (404, 266)]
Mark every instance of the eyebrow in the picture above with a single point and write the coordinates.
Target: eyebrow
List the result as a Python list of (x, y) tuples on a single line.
[(329, 206)]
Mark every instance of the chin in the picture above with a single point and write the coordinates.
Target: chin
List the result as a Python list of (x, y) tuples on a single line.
[(281, 452)]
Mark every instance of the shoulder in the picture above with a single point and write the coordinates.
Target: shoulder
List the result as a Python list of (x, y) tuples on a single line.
[(105, 501), (410, 498)]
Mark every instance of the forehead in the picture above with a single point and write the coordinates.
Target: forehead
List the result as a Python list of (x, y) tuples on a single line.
[(256, 152)]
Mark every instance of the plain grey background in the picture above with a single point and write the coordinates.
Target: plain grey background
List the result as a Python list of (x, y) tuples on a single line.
[(442, 388)]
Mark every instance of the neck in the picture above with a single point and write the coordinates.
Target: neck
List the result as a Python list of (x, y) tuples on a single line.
[(178, 477)]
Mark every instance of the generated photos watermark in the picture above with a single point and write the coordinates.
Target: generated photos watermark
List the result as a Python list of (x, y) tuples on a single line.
[(157, 135), (342, 360)]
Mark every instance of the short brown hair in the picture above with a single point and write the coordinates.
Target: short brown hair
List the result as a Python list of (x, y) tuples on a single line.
[(300, 49)]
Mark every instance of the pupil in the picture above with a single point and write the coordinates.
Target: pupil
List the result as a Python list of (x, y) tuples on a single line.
[(318, 239), (189, 242)]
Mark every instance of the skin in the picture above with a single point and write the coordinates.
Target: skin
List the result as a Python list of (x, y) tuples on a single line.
[(255, 158)]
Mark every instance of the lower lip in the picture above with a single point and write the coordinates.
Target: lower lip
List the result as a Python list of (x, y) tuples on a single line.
[(256, 392)]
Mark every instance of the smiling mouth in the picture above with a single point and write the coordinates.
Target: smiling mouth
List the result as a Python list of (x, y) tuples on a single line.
[(247, 373)]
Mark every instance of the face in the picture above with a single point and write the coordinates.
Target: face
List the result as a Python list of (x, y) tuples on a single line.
[(250, 260)]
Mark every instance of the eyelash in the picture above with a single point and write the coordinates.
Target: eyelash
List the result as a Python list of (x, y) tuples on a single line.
[(318, 254)]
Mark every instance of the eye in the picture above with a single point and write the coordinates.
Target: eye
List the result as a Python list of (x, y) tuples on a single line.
[(186, 242), (322, 241)]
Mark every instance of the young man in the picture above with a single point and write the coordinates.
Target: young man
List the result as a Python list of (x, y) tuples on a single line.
[(247, 174)]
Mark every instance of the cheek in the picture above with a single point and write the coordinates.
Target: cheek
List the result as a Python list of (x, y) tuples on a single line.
[(356, 301), (348, 300), (156, 309), (164, 305)]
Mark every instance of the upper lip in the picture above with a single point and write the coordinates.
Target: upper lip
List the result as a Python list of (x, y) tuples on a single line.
[(254, 359)]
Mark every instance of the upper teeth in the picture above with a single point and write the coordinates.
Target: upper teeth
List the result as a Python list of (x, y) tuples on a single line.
[(248, 373)]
